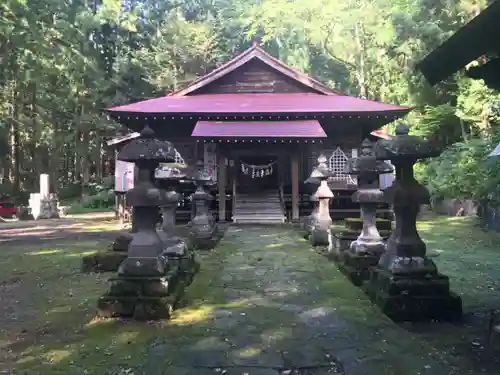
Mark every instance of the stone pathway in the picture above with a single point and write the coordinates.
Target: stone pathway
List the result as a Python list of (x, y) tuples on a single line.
[(266, 304)]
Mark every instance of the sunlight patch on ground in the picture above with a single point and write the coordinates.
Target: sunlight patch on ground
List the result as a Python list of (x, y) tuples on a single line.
[(57, 355), (84, 253), (189, 315), (44, 252), (275, 245), (250, 352)]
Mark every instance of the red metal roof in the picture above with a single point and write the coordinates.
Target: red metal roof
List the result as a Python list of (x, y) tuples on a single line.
[(258, 103), (281, 129)]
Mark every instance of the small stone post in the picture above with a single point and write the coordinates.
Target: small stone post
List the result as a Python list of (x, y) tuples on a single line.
[(406, 283), (321, 234), (366, 250)]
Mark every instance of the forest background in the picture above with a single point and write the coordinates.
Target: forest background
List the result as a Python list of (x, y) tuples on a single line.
[(63, 61)]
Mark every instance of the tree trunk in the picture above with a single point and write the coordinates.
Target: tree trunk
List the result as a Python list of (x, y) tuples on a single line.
[(85, 165), (361, 66)]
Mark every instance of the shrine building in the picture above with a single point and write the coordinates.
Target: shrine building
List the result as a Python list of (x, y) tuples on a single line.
[(259, 126)]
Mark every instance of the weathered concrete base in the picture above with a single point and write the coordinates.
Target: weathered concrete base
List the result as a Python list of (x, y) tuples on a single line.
[(357, 267), (209, 241), (144, 298), (107, 261), (134, 294), (413, 297), (341, 243), (110, 260)]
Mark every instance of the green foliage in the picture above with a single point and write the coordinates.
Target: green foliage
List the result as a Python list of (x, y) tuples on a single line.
[(62, 62), (102, 201), (463, 171)]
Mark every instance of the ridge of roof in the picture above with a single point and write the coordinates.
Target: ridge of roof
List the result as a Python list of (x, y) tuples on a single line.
[(255, 52)]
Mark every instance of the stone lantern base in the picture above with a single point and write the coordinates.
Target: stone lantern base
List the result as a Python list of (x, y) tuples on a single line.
[(415, 297), (356, 267), (152, 291), (109, 260), (342, 239)]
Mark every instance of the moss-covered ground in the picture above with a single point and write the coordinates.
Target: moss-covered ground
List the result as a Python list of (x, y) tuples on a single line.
[(263, 303)]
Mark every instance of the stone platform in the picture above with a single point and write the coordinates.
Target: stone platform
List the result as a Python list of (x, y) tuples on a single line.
[(416, 298)]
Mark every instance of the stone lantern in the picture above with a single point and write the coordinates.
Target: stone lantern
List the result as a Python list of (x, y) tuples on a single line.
[(169, 182), (366, 250), (406, 283), (203, 228), (315, 181), (148, 285), (321, 222)]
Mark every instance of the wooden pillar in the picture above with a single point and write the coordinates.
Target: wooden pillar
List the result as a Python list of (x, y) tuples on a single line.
[(222, 181), (295, 186)]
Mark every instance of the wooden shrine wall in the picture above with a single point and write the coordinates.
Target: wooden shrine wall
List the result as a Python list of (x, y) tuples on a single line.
[(253, 77)]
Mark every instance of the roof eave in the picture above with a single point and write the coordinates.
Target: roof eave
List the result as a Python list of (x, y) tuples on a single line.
[(466, 45)]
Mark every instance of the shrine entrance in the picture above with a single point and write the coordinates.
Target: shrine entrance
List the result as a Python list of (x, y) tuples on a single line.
[(258, 174)]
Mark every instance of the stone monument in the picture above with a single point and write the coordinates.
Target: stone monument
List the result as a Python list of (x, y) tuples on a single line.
[(321, 233), (44, 205), (366, 250), (150, 282), (406, 283), (204, 229)]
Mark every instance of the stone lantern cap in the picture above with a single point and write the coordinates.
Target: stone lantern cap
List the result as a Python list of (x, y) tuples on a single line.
[(366, 162), (199, 174), (323, 192), (320, 172), (405, 146), (147, 148)]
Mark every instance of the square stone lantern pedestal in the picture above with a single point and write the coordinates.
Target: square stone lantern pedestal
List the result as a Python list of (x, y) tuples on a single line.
[(204, 231), (365, 251), (406, 283), (151, 280)]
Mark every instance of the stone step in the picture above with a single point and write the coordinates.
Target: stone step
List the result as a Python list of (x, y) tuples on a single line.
[(256, 200), (258, 220), (257, 206), (259, 212)]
